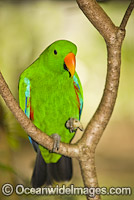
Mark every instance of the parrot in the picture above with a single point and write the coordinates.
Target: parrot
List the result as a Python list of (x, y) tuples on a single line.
[(51, 96)]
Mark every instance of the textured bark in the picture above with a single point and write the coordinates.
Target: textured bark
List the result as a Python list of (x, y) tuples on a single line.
[(127, 15), (98, 18), (113, 37), (84, 149)]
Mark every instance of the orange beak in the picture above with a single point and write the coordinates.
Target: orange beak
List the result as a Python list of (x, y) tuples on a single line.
[(70, 63)]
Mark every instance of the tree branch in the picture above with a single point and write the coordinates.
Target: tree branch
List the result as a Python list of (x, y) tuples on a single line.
[(127, 15), (99, 19), (99, 121), (114, 37)]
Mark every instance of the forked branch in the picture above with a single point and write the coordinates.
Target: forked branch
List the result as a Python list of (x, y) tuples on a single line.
[(114, 37)]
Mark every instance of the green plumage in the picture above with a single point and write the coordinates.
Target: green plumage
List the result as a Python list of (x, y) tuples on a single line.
[(47, 94)]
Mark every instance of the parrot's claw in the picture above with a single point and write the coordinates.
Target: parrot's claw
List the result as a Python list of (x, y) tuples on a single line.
[(73, 124), (56, 144)]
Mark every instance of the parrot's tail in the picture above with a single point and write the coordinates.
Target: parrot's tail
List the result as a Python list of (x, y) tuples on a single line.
[(47, 173)]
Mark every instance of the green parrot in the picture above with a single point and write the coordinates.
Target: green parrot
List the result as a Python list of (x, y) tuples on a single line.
[(50, 94)]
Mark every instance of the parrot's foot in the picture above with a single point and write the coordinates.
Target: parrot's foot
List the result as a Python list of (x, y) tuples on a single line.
[(56, 144), (73, 124)]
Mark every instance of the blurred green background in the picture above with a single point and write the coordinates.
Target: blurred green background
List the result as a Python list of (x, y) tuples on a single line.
[(26, 29)]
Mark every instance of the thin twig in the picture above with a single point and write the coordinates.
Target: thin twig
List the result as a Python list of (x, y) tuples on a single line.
[(127, 15)]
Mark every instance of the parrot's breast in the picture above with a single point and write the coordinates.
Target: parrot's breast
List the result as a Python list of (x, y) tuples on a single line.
[(54, 101)]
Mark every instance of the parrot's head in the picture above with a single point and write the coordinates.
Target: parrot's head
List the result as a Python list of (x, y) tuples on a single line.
[(60, 57)]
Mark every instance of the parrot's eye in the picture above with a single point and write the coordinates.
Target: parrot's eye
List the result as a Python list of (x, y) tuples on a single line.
[(55, 52)]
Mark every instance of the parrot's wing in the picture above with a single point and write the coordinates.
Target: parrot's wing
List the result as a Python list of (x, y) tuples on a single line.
[(79, 92), (25, 103), (24, 95)]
